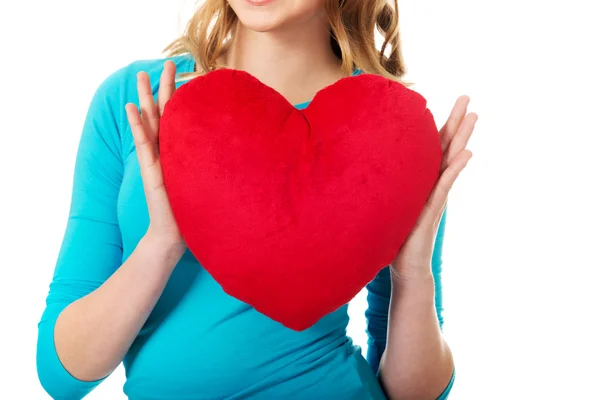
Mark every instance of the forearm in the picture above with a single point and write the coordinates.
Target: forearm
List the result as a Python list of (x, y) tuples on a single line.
[(417, 362), (93, 334)]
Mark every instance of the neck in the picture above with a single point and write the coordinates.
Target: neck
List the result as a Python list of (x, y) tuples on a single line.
[(297, 62)]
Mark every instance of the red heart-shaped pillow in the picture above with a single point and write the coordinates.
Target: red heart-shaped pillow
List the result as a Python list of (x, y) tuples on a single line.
[(295, 211)]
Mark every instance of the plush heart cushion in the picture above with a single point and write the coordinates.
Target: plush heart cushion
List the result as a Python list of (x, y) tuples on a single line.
[(295, 211)]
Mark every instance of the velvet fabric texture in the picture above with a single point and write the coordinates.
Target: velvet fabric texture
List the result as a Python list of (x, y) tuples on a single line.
[(295, 211)]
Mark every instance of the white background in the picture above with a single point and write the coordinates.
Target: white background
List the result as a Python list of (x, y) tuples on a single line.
[(521, 252)]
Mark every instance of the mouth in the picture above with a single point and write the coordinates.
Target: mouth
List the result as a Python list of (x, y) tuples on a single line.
[(259, 2)]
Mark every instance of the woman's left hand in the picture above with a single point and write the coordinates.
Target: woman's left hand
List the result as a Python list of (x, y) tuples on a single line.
[(414, 258)]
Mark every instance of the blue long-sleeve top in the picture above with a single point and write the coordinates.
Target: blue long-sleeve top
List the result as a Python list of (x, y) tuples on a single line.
[(198, 342)]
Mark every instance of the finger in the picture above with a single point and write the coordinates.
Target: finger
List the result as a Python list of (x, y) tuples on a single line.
[(439, 195), (454, 120), (460, 139), (147, 104), (145, 148), (167, 85)]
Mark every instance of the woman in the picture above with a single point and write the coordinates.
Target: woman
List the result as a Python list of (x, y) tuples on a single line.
[(126, 289)]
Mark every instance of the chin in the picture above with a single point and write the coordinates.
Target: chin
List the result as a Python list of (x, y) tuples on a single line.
[(271, 15)]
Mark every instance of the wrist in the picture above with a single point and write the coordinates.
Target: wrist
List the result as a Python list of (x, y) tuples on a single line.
[(420, 278), (412, 292), (412, 273), (163, 248)]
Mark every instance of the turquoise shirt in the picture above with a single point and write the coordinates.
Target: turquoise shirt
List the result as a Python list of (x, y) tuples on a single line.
[(199, 342)]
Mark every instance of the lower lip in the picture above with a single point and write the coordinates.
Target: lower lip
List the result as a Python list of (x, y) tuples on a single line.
[(259, 2)]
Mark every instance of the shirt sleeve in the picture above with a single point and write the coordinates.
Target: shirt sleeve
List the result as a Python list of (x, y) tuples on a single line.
[(378, 300), (91, 248)]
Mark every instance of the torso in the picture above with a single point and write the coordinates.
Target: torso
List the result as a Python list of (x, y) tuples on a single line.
[(201, 343)]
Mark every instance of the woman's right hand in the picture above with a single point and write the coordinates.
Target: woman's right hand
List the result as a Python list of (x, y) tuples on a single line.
[(163, 229)]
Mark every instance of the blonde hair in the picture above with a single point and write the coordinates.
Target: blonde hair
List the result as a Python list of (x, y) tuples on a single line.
[(353, 22)]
